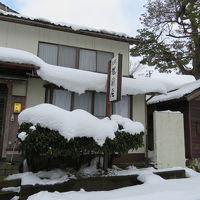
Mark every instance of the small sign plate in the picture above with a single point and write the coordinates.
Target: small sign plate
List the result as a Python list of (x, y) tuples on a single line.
[(115, 78), (17, 107)]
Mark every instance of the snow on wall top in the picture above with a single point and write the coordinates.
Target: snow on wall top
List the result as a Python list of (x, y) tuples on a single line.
[(182, 91), (63, 24), (76, 80), (77, 123)]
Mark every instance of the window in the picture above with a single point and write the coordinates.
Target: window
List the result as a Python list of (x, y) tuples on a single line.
[(84, 59), (67, 56), (100, 105), (122, 107), (102, 61), (87, 60), (92, 102), (83, 101), (48, 53), (62, 99)]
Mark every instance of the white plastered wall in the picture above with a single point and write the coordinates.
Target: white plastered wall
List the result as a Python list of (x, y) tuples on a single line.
[(139, 114), (35, 92), (26, 38), (169, 146)]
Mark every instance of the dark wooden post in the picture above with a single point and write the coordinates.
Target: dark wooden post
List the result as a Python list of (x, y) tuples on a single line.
[(108, 109)]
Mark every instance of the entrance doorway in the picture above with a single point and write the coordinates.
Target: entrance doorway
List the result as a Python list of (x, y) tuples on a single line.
[(3, 100)]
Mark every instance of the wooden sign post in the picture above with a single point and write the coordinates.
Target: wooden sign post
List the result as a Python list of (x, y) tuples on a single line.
[(114, 82), (114, 85)]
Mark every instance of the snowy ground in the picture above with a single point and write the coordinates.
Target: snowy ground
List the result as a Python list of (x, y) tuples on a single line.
[(154, 188)]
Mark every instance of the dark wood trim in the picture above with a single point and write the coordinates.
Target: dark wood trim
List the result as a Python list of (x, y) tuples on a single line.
[(72, 101), (129, 158), (93, 103), (51, 96), (3, 119), (77, 58), (108, 103), (49, 25), (119, 81), (19, 66), (131, 107), (7, 117), (193, 95)]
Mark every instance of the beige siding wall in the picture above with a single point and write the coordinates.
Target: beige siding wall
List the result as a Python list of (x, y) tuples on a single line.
[(19, 89), (26, 38), (139, 114), (35, 92)]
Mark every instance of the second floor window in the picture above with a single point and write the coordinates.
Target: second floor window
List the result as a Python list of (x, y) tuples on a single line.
[(73, 57)]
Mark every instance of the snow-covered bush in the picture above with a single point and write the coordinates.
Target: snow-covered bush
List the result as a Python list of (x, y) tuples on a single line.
[(42, 144)]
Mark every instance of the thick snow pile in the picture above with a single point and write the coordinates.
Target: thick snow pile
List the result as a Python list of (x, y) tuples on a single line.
[(42, 177), (19, 56), (76, 80), (77, 123), (171, 80), (128, 125), (63, 24), (182, 91)]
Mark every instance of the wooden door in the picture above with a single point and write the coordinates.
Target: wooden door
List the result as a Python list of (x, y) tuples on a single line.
[(3, 100)]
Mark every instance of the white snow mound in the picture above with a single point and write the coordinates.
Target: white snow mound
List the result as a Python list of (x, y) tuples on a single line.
[(78, 81)]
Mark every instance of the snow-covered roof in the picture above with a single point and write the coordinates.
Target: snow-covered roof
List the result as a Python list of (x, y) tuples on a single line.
[(77, 123), (171, 80), (76, 80), (42, 22), (177, 94)]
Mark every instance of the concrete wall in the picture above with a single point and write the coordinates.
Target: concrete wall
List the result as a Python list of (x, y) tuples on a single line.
[(26, 38), (169, 146)]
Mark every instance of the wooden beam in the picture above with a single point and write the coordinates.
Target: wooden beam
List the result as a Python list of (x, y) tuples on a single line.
[(19, 65)]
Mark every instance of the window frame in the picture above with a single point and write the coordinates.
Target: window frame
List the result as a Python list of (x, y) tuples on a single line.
[(77, 57), (49, 99)]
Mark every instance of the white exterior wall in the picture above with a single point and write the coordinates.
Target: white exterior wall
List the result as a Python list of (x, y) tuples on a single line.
[(26, 38), (169, 146), (139, 114), (35, 92)]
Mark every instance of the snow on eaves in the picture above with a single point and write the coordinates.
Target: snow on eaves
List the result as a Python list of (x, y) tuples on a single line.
[(76, 80), (177, 94), (63, 24)]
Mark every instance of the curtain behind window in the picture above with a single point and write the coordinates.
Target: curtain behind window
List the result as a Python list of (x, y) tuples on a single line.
[(67, 56), (102, 61), (62, 99), (122, 107), (83, 101), (48, 53), (100, 104), (87, 60)]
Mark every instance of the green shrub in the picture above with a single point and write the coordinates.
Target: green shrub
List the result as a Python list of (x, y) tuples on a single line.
[(49, 144)]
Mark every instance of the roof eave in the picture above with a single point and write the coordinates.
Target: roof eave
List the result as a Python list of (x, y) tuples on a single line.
[(49, 25)]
